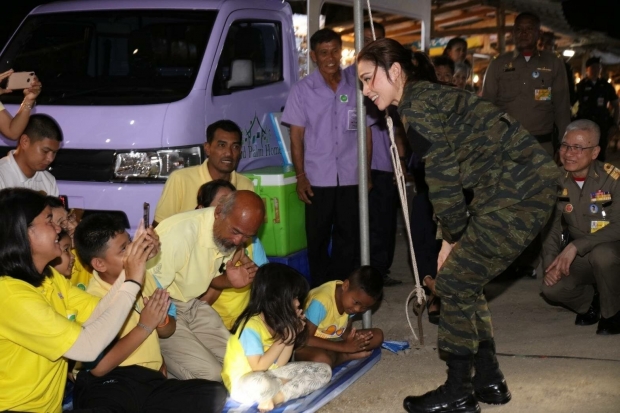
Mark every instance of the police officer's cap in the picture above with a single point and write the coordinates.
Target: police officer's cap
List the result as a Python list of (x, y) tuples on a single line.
[(593, 61)]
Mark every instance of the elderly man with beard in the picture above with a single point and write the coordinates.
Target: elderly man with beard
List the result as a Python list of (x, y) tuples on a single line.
[(201, 249)]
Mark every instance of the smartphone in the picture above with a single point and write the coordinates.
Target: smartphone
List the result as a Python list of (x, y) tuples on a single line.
[(20, 80), (146, 214)]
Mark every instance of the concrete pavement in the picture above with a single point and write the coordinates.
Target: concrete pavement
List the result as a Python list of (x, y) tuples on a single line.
[(551, 365)]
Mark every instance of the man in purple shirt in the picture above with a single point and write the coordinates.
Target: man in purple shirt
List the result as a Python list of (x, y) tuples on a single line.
[(321, 113)]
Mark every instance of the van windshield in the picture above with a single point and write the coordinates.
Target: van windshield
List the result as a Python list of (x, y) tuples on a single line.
[(127, 57)]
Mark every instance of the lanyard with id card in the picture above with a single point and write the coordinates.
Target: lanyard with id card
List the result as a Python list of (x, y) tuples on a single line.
[(352, 119)]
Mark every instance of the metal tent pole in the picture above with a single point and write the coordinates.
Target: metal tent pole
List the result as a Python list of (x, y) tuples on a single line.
[(358, 18)]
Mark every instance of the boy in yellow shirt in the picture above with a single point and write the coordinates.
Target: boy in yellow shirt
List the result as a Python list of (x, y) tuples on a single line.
[(329, 311), (128, 376)]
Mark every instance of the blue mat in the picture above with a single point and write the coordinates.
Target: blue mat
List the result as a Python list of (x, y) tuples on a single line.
[(342, 377)]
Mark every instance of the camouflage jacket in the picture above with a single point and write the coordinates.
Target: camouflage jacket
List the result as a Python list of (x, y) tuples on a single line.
[(471, 148)]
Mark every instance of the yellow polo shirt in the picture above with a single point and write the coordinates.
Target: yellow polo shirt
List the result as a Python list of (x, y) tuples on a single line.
[(38, 325), (232, 301), (148, 354), (322, 311), (181, 188), (80, 275), (254, 340), (189, 259)]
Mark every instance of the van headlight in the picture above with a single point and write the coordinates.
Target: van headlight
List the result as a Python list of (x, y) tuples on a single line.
[(155, 164)]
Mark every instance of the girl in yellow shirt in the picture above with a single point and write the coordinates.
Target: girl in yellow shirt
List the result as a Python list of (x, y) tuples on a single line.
[(256, 365), (45, 320)]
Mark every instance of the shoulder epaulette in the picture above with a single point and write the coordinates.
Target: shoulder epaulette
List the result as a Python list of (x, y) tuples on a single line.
[(612, 171)]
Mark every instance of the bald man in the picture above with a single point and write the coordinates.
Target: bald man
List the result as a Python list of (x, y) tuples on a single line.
[(200, 249)]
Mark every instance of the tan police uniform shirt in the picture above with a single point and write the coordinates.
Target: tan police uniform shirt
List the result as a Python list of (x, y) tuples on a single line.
[(534, 92), (592, 213)]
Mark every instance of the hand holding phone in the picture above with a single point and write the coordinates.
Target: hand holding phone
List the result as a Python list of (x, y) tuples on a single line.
[(3, 80), (20, 80), (146, 214)]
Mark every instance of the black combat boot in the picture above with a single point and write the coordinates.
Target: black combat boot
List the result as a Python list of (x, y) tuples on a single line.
[(455, 396), (489, 384)]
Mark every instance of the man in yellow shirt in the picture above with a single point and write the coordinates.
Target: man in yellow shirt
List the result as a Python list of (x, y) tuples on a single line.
[(199, 249), (223, 150)]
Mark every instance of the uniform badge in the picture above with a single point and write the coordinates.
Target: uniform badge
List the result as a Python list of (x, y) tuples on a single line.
[(568, 208), (535, 74), (601, 196), (509, 67), (593, 208), (565, 192), (344, 98), (612, 171)]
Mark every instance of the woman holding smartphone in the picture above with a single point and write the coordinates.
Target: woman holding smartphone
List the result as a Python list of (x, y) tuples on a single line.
[(46, 321), (492, 187), (13, 127)]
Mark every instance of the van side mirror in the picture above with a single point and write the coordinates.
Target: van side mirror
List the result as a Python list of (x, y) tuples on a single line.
[(242, 74)]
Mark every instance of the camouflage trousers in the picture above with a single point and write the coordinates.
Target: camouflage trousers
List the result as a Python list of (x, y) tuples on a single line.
[(490, 243)]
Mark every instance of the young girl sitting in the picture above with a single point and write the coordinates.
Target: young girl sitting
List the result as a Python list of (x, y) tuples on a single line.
[(256, 366)]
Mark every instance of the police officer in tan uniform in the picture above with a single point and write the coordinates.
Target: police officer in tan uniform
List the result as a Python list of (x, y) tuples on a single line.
[(588, 204), (530, 84)]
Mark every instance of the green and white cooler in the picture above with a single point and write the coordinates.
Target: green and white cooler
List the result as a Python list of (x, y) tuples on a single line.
[(284, 230)]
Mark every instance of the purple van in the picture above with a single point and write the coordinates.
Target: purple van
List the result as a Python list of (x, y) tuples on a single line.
[(134, 84)]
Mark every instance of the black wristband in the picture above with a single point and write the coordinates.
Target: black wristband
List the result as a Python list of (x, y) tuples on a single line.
[(135, 282)]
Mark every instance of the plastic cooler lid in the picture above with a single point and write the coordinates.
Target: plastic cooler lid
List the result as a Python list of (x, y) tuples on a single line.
[(271, 175)]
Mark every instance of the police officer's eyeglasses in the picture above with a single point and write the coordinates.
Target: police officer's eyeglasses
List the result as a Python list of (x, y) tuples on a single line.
[(577, 149)]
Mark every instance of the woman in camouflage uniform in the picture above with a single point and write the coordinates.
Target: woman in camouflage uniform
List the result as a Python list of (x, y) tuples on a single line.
[(492, 187)]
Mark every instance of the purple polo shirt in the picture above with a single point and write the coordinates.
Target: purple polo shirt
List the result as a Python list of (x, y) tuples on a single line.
[(330, 138), (381, 158)]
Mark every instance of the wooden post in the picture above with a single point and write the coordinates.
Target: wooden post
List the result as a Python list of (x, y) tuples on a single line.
[(501, 28)]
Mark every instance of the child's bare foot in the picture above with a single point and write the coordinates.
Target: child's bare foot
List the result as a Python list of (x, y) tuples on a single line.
[(270, 404), (266, 406), (344, 357)]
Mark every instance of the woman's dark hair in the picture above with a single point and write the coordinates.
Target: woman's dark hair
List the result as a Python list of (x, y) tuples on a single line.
[(274, 288), (18, 208), (208, 191), (424, 67), (452, 43), (383, 53)]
